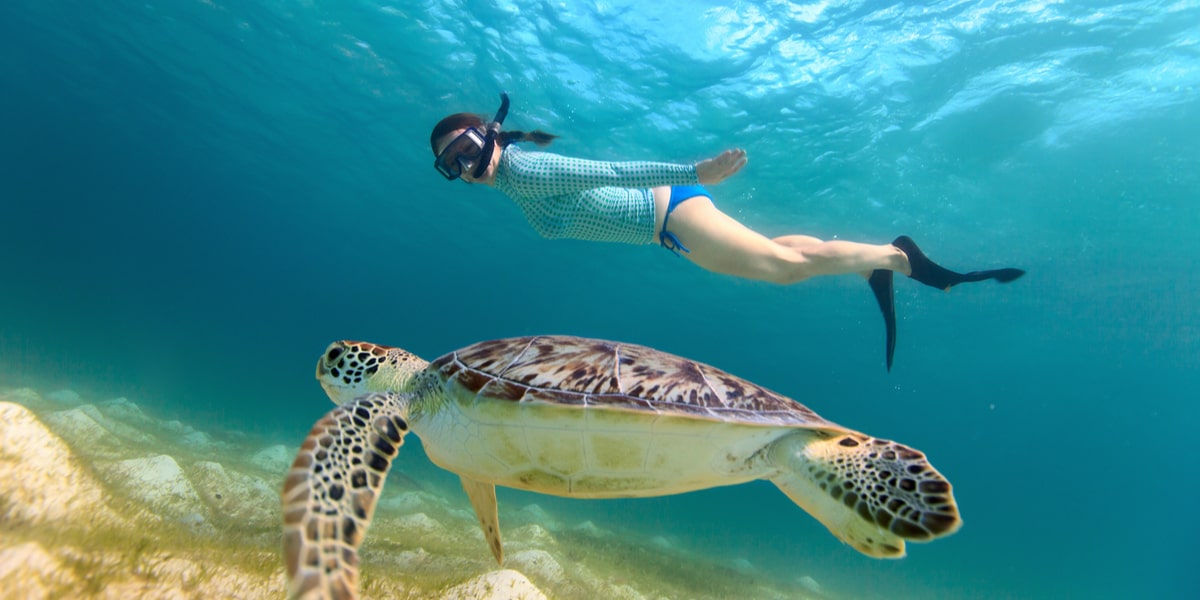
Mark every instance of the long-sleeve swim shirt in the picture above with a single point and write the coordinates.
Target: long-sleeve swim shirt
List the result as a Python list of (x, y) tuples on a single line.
[(565, 197)]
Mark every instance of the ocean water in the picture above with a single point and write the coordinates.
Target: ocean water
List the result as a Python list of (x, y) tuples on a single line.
[(197, 196)]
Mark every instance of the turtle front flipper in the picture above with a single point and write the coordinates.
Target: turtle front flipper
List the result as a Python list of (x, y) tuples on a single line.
[(872, 494), (331, 491), (483, 498)]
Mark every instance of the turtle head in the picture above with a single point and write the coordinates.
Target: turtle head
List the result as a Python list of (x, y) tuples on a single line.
[(349, 369)]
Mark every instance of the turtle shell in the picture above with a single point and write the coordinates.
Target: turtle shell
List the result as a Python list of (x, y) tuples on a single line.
[(606, 375)]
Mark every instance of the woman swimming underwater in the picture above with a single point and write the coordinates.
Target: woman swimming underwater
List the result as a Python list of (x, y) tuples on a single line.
[(648, 202)]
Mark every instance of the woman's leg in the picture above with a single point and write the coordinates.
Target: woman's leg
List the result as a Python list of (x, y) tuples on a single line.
[(721, 244), (797, 242)]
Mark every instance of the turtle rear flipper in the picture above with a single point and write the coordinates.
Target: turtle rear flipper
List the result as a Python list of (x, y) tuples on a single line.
[(872, 494), (331, 490), (483, 500)]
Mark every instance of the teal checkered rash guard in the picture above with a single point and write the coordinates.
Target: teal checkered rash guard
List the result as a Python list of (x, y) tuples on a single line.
[(566, 197)]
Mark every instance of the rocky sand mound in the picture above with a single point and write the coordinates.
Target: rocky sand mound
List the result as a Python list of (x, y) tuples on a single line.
[(101, 500)]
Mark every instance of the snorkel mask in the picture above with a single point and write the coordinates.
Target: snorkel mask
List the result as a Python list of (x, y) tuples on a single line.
[(472, 150)]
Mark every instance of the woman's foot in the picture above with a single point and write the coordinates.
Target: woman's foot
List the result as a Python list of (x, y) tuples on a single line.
[(934, 275)]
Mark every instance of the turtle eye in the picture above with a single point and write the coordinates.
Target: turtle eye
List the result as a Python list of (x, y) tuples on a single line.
[(333, 353)]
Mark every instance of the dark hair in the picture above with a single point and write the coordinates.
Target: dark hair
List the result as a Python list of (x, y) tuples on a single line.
[(458, 121)]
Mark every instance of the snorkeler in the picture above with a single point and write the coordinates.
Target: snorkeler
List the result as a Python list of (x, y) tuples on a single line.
[(645, 202)]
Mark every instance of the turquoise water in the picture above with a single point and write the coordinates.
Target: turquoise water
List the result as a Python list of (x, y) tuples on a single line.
[(196, 197)]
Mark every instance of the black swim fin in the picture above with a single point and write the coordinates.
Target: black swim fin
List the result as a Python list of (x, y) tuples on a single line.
[(881, 284), (934, 275)]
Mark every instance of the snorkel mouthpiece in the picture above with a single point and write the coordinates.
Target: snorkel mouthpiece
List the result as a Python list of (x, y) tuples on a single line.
[(489, 142)]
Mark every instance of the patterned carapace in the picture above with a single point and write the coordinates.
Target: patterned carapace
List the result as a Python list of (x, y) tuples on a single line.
[(570, 370)]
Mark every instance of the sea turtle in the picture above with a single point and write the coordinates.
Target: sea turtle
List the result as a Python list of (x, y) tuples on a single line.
[(582, 418)]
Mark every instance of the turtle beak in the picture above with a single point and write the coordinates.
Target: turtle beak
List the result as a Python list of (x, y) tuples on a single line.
[(325, 371), (330, 356)]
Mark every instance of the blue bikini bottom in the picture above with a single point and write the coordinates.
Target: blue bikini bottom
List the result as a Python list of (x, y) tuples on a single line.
[(679, 193)]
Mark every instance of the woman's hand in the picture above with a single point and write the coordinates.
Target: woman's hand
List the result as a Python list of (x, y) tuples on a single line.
[(715, 170)]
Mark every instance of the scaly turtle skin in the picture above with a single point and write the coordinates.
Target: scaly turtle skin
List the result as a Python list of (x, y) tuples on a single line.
[(586, 419)]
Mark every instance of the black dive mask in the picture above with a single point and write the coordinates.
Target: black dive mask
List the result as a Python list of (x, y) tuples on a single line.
[(472, 148), (461, 154)]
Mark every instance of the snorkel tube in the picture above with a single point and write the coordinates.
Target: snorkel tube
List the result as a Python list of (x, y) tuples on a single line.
[(489, 142)]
